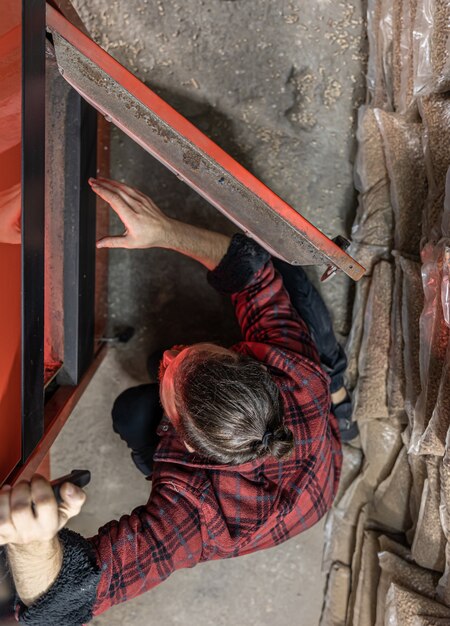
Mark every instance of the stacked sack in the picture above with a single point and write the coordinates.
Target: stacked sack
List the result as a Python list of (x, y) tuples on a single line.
[(387, 538)]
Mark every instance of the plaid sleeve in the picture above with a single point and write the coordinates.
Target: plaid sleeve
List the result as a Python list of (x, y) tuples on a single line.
[(262, 304), (141, 550)]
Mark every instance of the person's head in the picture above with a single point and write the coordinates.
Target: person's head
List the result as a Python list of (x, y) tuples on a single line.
[(228, 407)]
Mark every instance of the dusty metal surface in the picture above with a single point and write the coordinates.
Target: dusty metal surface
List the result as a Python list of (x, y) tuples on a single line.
[(190, 154)]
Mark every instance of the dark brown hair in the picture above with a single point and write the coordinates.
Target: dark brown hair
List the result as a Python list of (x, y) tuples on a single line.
[(230, 408)]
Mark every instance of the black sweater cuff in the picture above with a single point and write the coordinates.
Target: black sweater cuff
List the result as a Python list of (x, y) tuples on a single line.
[(242, 261), (70, 600)]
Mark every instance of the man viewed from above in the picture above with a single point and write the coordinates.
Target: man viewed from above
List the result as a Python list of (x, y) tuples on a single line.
[(243, 454)]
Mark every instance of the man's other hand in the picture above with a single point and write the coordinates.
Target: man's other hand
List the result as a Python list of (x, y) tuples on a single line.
[(146, 226), (30, 514)]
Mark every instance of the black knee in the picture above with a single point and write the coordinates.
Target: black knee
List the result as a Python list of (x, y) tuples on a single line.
[(136, 414)]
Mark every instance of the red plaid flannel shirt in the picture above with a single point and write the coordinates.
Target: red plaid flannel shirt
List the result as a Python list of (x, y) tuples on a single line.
[(198, 511)]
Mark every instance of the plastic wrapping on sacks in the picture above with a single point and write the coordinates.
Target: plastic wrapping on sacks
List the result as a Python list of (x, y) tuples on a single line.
[(381, 441), (353, 345), (418, 469), (364, 610), (370, 397), (445, 288), (445, 228), (443, 589), (339, 533), (435, 113), (356, 564), (432, 47), (394, 569), (434, 335), (389, 508), (405, 162), (387, 544), (396, 381), (397, 58), (402, 607), (351, 466), (428, 547), (444, 472), (412, 307), (372, 231), (379, 73), (339, 540), (336, 594), (406, 102), (421, 620), (433, 439)]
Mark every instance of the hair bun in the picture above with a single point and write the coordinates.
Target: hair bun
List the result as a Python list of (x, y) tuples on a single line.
[(281, 442)]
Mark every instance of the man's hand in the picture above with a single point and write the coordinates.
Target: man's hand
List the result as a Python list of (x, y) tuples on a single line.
[(30, 519), (146, 226), (29, 512)]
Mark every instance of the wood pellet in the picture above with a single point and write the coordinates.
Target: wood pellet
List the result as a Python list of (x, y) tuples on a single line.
[(390, 507), (435, 113), (432, 47), (428, 547), (394, 569), (405, 162), (403, 605), (370, 399), (374, 219), (412, 306)]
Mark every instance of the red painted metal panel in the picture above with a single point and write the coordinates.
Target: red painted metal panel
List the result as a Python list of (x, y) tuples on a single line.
[(196, 159), (10, 248)]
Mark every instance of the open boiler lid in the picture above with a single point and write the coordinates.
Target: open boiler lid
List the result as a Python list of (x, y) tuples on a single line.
[(187, 152)]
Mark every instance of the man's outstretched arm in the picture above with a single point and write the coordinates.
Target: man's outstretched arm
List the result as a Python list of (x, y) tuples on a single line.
[(146, 226), (242, 269)]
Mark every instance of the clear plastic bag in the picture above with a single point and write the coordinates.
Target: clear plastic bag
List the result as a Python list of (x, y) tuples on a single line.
[(410, 576), (402, 607), (389, 507), (379, 68), (365, 596), (435, 113), (418, 469), (396, 381), (370, 397), (381, 442), (405, 102), (432, 47), (434, 334), (397, 57), (434, 437), (405, 162), (353, 345), (351, 466), (445, 228), (428, 547), (374, 219), (445, 288), (421, 620), (334, 609), (412, 307)]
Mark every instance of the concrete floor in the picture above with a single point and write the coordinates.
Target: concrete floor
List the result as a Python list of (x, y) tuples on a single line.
[(276, 84)]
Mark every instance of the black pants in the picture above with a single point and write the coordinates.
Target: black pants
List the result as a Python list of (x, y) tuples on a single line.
[(137, 411)]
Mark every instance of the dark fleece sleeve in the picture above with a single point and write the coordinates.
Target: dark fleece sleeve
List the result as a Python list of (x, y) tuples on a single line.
[(70, 600), (236, 270)]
